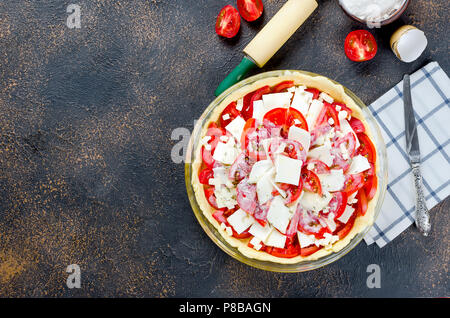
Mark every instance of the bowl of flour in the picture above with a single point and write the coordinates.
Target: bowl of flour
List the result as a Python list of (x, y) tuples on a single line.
[(374, 13)]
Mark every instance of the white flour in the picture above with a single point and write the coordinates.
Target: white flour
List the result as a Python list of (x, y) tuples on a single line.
[(372, 10)]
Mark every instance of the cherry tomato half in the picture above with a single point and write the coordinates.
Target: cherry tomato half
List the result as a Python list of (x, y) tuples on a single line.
[(311, 181), (366, 148), (228, 22), (250, 9), (360, 45)]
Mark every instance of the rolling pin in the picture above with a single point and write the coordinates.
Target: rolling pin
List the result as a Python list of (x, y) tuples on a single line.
[(270, 39)]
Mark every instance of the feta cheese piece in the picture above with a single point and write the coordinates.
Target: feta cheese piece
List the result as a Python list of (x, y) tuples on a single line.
[(264, 186), (300, 135), (352, 198), (305, 240), (277, 100), (315, 202), (275, 239), (327, 240), (235, 127), (259, 169), (359, 164), (326, 97), (323, 153), (240, 221), (334, 181), (226, 153), (314, 111), (302, 99), (288, 170), (221, 177), (278, 214), (346, 128), (258, 110), (259, 231), (240, 104), (225, 197), (342, 115), (347, 214), (256, 242), (226, 117)]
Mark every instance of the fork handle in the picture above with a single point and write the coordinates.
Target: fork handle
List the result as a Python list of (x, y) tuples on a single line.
[(422, 215)]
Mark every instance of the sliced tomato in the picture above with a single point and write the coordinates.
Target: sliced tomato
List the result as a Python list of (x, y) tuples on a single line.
[(250, 9), (282, 86), (306, 251), (292, 249), (243, 235), (344, 229), (292, 191), (362, 201), (370, 187), (285, 118), (319, 166), (204, 175), (328, 112), (311, 181), (232, 113), (210, 197), (313, 91), (360, 45), (257, 95), (353, 182), (366, 148), (247, 106), (338, 203), (357, 125), (228, 22), (246, 196)]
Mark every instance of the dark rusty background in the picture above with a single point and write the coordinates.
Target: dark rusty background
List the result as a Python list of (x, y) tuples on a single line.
[(86, 176)]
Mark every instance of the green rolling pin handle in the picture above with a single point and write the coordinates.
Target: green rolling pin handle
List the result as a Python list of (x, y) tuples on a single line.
[(236, 75)]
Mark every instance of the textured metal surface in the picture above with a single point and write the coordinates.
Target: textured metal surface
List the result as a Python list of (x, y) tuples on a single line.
[(86, 176)]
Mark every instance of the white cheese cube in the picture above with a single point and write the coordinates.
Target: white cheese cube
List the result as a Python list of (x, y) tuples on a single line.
[(277, 100), (322, 153), (300, 135), (302, 100), (264, 187), (258, 110), (256, 242), (346, 215), (288, 170), (226, 153), (278, 214), (225, 198), (240, 104), (334, 181), (359, 164), (314, 111), (259, 231), (235, 127), (240, 221), (305, 240), (314, 202), (346, 128), (226, 117), (276, 239), (326, 97), (259, 169)]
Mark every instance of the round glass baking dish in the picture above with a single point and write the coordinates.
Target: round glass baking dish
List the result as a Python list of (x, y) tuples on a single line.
[(377, 24), (212, 232)]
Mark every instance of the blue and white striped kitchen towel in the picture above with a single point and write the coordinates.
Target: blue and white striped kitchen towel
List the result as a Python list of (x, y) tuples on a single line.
[(430, 90)]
